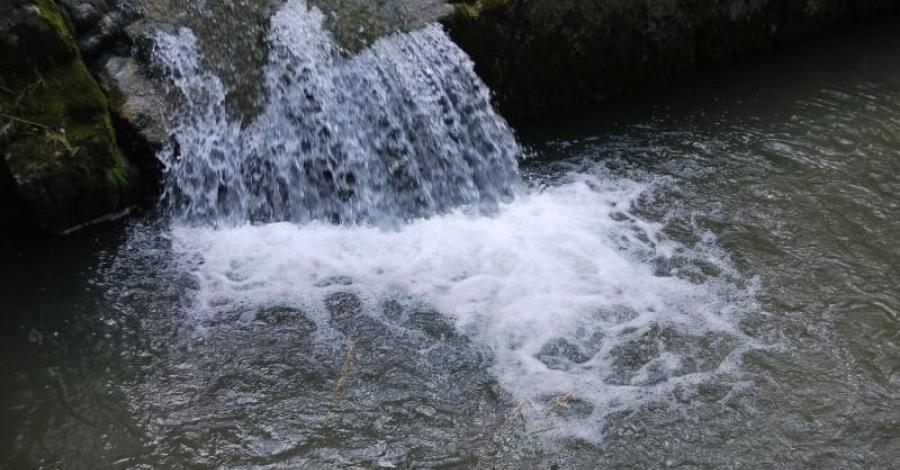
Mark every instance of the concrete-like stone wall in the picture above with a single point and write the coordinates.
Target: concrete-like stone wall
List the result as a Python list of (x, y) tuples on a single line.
[(543, 55)]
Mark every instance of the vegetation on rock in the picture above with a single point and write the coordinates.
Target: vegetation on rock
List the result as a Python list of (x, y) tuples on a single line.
[(57, 138), (472, 9)]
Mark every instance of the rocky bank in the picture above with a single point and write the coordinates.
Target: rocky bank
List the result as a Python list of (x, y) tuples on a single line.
[(82, 116), (60, 157), (541, 55)]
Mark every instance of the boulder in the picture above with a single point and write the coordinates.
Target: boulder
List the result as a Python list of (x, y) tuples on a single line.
[(57, 140), (136, 99), (98, 25)]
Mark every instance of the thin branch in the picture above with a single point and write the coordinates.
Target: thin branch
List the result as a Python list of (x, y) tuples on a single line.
[(49, 132), (342, 377), (25, 121), (558, 404)]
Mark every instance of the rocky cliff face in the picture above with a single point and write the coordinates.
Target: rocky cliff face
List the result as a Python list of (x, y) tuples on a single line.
[(62, 162), (82, 113), (540, 55), (81, 116)]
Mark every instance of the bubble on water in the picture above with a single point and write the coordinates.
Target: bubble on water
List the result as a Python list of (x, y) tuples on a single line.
[(563, 289)]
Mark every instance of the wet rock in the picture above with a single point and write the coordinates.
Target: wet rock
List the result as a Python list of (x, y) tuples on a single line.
[(136, 99), (421, 12), (13, 208), (560, 354), (542, 55), (232, 39), (357, 23), (138, 106), (57, 139), (233, 35), (99, 25)]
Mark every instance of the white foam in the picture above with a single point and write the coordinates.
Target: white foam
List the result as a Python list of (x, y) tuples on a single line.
[(552, 265)]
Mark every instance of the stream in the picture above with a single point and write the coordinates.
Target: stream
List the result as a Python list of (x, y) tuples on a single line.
[(376, 271)]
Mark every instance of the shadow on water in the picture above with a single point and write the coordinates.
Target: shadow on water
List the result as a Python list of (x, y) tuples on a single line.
[(792, 161), (59, 359)]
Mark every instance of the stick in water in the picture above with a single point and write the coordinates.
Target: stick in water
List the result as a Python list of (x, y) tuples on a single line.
[(557, 404), (342, 377)]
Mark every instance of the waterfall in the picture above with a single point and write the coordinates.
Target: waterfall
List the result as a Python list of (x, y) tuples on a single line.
[(402, 130), (386, 177)]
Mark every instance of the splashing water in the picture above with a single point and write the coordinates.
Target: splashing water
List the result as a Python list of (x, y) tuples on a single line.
[(399, 145), (569, 299), (403, 130)]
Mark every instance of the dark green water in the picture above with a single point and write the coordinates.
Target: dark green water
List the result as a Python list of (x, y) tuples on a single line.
[(794, 163), (789, 167)]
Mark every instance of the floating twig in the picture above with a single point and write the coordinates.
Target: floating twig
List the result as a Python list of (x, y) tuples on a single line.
[(342, 377), (558, 404), (541, 430)]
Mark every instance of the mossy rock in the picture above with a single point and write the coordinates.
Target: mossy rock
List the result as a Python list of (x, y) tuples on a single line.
[(470, 10), (56, 135)]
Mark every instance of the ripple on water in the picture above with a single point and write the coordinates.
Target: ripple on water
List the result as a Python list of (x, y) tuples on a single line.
[(565, 292)]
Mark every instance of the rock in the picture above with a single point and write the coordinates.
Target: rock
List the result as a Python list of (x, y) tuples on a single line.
[(138, 105), (135, 99), (233, 35), (358, 23), (98, 25), (13, 209), (57, 140), (540, 55), (422, 12)]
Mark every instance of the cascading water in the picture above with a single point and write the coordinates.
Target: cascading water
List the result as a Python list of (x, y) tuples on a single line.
[(592, 320), (402, 130), (387, 176)]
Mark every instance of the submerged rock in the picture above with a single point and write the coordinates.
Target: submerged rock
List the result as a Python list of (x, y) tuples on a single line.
[(540, 55), (57, 140)]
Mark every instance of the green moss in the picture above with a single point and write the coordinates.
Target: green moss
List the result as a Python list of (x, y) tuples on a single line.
[(466, 11), (118, 177), (56, 95), (40, 43), (491, 5), (62, 147), (63, 103), (472, 9), (51, 13)]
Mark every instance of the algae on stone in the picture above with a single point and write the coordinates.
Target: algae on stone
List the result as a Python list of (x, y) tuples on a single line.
[(58, 141), (472, 9)]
